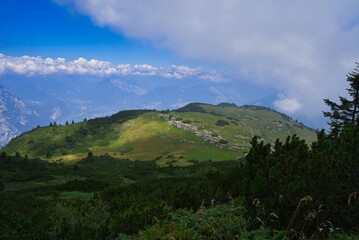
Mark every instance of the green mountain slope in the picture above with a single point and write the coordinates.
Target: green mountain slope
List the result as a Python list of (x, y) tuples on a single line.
[(195, 132)]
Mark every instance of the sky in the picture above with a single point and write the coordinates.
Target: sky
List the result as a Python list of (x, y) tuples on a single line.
[(303, 49), (45, 28)]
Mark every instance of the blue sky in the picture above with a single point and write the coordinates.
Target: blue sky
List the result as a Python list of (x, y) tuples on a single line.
[(43, 28), (302, 49)]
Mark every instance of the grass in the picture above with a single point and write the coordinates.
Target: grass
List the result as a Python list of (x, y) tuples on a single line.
[(245, 123), (54, 180), (144, 135)]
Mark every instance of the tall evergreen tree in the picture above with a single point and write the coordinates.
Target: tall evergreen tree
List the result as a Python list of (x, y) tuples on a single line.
[(90, 157), (347, 111)]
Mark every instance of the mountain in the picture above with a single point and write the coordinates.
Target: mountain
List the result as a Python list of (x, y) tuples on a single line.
[(24, 105), (65, 97), (15, 116), (195, 132)]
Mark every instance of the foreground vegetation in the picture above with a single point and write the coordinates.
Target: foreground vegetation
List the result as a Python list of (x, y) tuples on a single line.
[(287, 189), (292, 191)]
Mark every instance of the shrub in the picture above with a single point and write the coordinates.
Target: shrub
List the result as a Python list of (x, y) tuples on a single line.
[(222, 141), (222, 123)]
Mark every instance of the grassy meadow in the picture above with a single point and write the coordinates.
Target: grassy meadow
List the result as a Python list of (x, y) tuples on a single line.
[(147, 136)]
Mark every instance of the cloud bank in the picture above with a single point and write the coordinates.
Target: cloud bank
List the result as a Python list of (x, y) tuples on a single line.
[(303, 48), (28, 65)]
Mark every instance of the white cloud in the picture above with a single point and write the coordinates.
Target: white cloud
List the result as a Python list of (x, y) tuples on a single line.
[(300, 47), (288, 105), (37, 65)]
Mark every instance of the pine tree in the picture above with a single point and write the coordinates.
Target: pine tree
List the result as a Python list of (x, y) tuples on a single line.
[(48, 153), (346, 113), (90, 157), (353, 79)]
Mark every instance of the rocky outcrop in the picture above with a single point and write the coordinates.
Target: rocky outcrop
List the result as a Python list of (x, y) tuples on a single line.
[(207, 136), (183, 126)]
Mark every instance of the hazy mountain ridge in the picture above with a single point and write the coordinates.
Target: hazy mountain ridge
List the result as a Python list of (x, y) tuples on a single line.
[(63, 98), (15, 116), (66, 97)]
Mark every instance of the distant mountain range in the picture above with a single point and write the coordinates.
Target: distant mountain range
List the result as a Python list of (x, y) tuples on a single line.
[(15, 116), (195, 132), (31, 100)]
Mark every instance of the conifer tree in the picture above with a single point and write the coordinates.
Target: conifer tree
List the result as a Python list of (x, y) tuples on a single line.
[(90, 157), (345, 113)]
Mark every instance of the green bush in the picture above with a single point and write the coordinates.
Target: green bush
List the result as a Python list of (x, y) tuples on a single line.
[(223, 141), (218, 222), (222, 123)]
